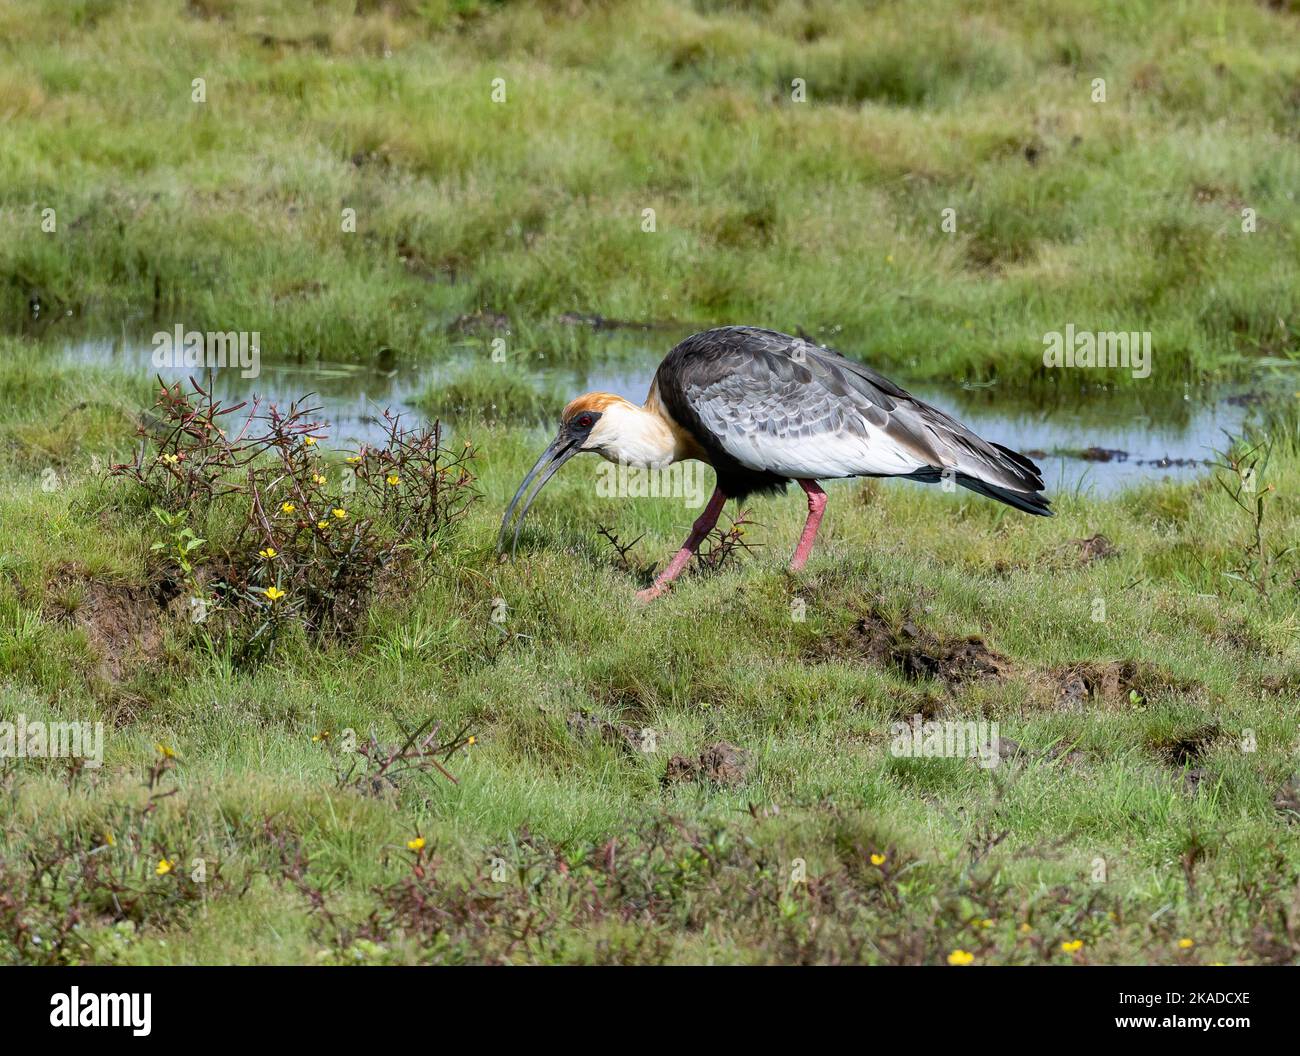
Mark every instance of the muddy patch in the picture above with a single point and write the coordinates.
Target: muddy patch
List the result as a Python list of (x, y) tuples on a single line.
[(1094, 548), (1112, 682), (1185, 749), (585, 726), (123, 622), (1098, 454), (720, 764), (917, 653)]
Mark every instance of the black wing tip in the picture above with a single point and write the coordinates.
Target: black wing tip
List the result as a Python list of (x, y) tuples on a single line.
[(1023, 461), (1025, 501)]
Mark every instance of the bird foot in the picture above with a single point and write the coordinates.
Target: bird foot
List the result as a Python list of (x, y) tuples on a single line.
[(645, 597)]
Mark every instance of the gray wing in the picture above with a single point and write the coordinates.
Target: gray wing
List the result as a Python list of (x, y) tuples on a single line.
[(783, 405)]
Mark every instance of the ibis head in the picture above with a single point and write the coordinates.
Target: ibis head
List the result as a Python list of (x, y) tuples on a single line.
[(599, 422)]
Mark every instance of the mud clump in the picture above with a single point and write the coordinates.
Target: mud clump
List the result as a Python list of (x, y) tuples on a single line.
[(1073, 689), (724, 764), (1094, 548), (1112, 682), (719, 764), (1101, 454), (583, 724), (680, 769), (919, 654)]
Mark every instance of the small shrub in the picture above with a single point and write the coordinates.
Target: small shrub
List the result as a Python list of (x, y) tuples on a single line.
[(313, 536)]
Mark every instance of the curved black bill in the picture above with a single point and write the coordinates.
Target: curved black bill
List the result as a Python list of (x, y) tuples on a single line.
[(561, 449)]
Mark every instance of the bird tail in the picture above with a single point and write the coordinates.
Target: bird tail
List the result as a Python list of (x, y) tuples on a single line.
[(996, 472), (1028, 501), (1017, 480)]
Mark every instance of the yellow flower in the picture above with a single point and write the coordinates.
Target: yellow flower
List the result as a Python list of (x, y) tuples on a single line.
[(472, 740), (341, 514), (310, 441), (1025, 928), (268, 553), (322, 524), (163, 867), (165, 752), (1186, 944), (324, 735), (877, 859), (960, 957), (416, 844), (987, 922), (394, 479), (274, 593), (110, 840), (287, 507), (318, 479), (354, 458), (1072, 947), (171, 460)]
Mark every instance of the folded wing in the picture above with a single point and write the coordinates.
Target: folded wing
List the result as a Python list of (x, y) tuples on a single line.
[(784, 406)]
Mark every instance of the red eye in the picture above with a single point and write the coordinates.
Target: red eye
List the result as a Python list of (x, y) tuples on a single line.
[(585, 421)]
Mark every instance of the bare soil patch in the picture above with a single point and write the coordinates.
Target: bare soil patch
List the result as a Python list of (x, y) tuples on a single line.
[(122, 621), (917, 653), (1094, 548), (719, 764), (1111, 682), (584, 725)]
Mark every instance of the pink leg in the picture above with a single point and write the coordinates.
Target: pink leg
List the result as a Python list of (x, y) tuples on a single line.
[(816, 507), (702, 527)]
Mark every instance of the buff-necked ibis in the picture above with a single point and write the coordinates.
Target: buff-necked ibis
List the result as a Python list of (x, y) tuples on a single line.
[(763, 408)]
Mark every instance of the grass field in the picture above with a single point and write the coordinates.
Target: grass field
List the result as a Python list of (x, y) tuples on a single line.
[(824, 214), (714, 778)]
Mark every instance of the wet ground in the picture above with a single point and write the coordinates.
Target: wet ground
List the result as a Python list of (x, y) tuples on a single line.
[(1098, 440)]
